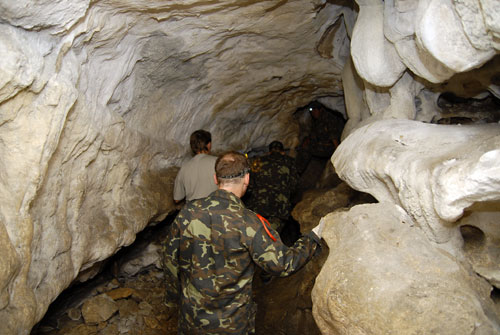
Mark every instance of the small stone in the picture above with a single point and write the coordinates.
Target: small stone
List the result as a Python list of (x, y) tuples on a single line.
[(102, 325), (74, 314), (120, 293), (110, 330), (98, 309), (152, 322), (81, 329), (113, 284), (127, 308), (145, 308)]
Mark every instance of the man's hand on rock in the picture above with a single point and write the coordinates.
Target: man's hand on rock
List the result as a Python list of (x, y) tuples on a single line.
[(318, 230)]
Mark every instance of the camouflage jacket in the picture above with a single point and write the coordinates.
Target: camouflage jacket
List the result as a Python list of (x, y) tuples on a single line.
[(327, 127), (210, 256), (324, 132), (273, 180)]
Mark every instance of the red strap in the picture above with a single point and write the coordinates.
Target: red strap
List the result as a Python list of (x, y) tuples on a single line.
[(264, 221)]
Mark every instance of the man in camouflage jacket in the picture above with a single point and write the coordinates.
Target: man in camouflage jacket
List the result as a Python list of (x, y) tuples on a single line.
[(274, 178), (211, 252), (326, 130)]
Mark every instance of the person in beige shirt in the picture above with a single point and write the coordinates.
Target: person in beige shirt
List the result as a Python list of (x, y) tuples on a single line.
[(195, 179)]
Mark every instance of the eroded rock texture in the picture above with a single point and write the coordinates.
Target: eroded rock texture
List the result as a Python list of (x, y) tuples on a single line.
[(384, 276), (433, 180), (98, 98), (97, 101), (446, 181)]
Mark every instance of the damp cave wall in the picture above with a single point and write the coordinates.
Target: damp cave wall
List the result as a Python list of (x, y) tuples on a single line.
[(98, 98)]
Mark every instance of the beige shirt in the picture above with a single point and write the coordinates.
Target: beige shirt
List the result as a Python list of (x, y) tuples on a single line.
[(195, 179)]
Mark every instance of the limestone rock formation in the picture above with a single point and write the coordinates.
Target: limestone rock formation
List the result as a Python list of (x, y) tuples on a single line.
[(384, 276), (97, 101), (434, 39), (446, 181), (434, 172), (98, 98), (396, 44), (317, 203)]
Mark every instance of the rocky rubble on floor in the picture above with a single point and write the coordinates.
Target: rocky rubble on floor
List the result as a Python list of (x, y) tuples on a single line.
[(126, 306), (135, 306)]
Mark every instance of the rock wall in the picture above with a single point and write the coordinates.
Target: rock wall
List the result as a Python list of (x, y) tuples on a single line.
[(406, 53), (438, 185), (98, 98), (97, 101), (446, 181), (384, 276)]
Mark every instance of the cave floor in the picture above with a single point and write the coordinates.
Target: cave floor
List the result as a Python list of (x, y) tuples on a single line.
[(138, 302), (284, 307)]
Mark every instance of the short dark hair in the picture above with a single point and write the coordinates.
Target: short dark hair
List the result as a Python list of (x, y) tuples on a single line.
[(230, 167), (276, 146), (199, 141)]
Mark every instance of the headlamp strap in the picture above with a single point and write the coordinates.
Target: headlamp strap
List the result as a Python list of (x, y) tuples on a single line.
[(239, 175)]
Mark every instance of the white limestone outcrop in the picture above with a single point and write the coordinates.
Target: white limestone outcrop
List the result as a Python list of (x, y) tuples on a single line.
[(451, 45), (98, 98), (384, 276), (435, 172), (433, 38), (446, 181)]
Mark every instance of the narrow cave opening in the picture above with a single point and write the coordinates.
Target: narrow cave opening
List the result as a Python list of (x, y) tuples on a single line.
[(474, 238), (495, 296), (483, 108)]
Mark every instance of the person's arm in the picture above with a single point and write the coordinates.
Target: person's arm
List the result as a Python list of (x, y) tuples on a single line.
[(275, 257)]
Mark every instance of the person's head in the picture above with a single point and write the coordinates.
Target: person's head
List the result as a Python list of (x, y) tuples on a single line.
[(232, 172), (315, 108), (201, 141), (276, 146)]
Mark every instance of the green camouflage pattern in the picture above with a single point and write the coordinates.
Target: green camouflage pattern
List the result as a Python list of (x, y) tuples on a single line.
[(210, 254), (324, 131), (273, 179)]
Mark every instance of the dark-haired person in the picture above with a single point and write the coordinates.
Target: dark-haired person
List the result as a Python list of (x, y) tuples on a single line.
[(212, 250), (326, 129), (274, 178), (195, 178)]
